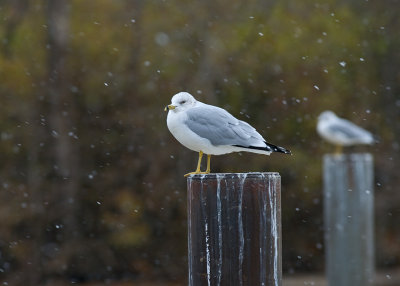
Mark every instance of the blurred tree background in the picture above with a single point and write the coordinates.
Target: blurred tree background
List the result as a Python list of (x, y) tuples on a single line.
[(91, 181)]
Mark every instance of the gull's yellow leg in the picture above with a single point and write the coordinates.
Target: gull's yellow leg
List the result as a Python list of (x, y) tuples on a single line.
[(198, 171), (208, 164), (199, 162), (338, 150)]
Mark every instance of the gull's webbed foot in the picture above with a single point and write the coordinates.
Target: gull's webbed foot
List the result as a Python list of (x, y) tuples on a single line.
[(196, 173)]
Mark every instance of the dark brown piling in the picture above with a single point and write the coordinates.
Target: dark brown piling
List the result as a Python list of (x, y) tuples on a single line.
[(234, 229)]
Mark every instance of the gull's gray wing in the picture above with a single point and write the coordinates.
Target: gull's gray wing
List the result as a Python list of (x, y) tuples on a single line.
[(221, 128), (340, 130), (348, 130)]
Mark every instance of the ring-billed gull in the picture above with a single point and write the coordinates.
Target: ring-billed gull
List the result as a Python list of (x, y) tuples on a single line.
[(211, 130), (341, 132)]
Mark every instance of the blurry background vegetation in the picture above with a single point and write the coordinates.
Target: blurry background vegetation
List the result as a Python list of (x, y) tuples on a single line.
[(91, 181)]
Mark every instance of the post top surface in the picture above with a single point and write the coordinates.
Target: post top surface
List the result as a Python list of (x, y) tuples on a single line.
[(232, 175)]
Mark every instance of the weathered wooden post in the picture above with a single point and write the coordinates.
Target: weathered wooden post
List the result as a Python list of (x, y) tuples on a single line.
[(349, 219), (234, 229)]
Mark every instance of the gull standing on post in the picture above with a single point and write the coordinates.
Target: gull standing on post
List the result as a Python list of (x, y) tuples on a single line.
[(211, 130), (341, 132)]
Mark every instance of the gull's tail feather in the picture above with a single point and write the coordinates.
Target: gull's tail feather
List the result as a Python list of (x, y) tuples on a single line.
[(269, 148)]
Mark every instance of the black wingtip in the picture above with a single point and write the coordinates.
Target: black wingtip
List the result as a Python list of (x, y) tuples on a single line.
[(269, 148), (279, 149)]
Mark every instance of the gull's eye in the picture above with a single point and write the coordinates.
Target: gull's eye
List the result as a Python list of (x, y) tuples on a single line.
[(182, 102)]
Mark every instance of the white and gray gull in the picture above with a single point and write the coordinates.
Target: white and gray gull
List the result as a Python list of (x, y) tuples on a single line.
[(211, 130), (341, 132)]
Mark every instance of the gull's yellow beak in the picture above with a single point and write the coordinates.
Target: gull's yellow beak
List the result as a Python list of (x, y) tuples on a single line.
[(169, 107)]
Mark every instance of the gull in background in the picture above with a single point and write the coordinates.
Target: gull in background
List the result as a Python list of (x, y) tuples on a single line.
[(211, 130), (341, 132)]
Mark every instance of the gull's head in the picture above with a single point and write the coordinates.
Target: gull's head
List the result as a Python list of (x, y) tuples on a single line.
[(326, 115), (181, 101)]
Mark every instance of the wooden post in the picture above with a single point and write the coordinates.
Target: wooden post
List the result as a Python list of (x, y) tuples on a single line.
[(349, 219), (234, 229)]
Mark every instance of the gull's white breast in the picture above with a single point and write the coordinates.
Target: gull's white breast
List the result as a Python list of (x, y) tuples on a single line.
[(323, 130)]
